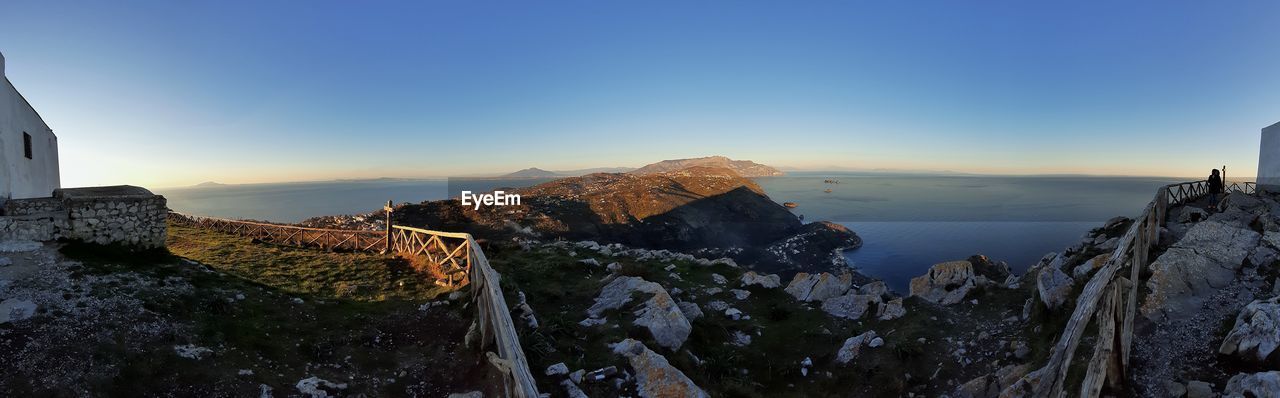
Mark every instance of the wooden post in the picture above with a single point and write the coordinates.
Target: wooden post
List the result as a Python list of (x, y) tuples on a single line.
[(388, 209)]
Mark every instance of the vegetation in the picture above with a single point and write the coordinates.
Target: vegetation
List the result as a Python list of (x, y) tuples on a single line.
[(270, 316)]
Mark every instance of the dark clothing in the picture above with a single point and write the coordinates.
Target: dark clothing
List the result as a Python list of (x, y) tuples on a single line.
[(1215, 184)]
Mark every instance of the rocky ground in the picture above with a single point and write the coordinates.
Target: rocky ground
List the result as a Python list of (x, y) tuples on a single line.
[(80, 320), (610, 320)]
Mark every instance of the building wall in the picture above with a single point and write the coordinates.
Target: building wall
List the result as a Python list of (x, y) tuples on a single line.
[(1269, 159), (21, 177)]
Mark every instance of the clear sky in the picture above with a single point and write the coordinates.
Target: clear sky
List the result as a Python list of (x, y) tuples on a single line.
[(166, 93)]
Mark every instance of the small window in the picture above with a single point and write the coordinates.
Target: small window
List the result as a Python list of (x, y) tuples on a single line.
[(26, 144)]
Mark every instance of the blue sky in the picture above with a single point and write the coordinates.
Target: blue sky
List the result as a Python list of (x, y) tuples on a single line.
[(172, 93)]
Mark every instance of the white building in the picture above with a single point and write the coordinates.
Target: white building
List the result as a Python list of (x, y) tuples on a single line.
[(1269, 159), (28, 148)]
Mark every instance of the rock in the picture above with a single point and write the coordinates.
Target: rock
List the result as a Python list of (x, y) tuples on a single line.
[(991, 386), (191, 351), (1021, 350), (472, 394), (740, 294), (13, 310), (1259, 385), (655, 377), (733, 313), (602, 373), (891, 310), (852, 347), (557, 369), (1199, 389), (1024, 387), (808, 287), (665, 321), (740, 339), (614, 267), (1192, 214), (1054, 287), (589, 262), (877, 289), (316, 387), (946, 283), (690, 310), (768, 281), (1175, 389), (659, 314), (1084, 270), (1206, 259), (577, 376), (618, 293), (589, 322), (876, 342), (1254, 337), (851, 306), (571, 390), (717, 305), (719, 279)]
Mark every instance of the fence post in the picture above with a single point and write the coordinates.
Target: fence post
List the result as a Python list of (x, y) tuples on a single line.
[(388, 210)]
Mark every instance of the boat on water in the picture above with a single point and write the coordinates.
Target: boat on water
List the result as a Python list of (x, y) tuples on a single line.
[(789, 205), (830, 181), (828, 190)]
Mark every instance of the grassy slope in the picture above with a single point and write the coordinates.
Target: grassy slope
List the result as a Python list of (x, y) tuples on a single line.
[(560, 289), (359, 322)]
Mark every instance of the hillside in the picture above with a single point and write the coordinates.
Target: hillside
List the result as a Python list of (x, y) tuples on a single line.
[(745, 168), (532, 172)]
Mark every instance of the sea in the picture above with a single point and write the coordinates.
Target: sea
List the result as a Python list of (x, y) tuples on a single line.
[(907, 222)]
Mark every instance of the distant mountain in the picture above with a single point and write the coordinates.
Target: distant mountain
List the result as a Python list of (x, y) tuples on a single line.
[(582, 172), (745, 168), (532, 172), (209, 184)]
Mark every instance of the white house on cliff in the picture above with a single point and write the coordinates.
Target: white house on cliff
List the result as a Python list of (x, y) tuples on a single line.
[(28, 148)]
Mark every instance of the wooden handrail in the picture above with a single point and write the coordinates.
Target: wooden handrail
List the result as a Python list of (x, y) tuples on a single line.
[(493, 316), (1119, 295)]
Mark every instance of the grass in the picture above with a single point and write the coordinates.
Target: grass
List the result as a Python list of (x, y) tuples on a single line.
[(357, 322)]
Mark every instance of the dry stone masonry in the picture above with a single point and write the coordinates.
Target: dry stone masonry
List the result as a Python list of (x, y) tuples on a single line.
[(123, 215)]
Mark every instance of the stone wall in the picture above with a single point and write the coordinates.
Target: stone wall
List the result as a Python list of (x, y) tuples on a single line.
[(124, 215)]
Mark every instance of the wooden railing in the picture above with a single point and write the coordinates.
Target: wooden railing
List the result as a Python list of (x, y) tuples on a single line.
[(329, 239), (460, 258), (1110, 297)]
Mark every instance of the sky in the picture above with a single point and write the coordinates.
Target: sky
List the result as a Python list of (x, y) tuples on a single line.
[(162, 93)]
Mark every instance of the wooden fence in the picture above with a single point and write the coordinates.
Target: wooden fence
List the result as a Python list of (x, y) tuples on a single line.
[(1110, 298), (460, 258)]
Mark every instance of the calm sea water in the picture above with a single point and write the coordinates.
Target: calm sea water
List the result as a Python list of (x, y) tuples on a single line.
[(907, 222)]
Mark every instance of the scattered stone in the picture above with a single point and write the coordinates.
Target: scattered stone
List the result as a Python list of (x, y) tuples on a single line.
[(740, 339), (589, 262), (571, 390), (717, 305), (1083, 271), (665, 320), (711, 291), (733, 313), (719, 279), (852, 347), (876, 342), (740, 294), (602, 373), (1199, 389), (1175, 389), (851, 306), (191, 351), (877, 289), (768, 281), (17, 246), (1260, 385), (1254, 336), (618, 293), (892, 310), (557, 369), (589, 322), (13, 310), (296, 300), (1205, 260), (669, 267), (316, 387), (245, 372), (655, 377), (615, 267), (808, 287), (577, 376), (1054, 287), (690, 310)]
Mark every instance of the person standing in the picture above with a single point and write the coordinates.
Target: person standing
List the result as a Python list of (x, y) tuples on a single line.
[(1215, 189)]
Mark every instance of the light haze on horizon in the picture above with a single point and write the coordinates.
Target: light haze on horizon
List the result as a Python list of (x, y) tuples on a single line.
[(168, 94)]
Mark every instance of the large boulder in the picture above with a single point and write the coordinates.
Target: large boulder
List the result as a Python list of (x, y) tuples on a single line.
[(946, 283), (1206, 259), (891, 310), (1083, 271), (1255, 335), (1054, 287), (660, 313), (655, 377), (809, 287), (851, 306), (852, 347), (1258, 385)]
